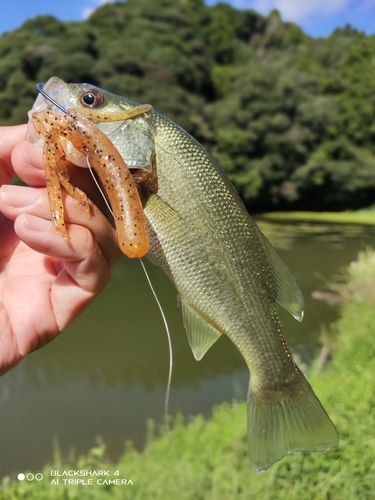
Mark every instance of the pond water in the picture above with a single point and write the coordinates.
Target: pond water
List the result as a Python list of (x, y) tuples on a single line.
[(106, 375)]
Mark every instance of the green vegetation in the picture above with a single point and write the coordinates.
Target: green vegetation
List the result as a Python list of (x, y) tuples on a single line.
[(289, 117), (208, 459), (357, 217)]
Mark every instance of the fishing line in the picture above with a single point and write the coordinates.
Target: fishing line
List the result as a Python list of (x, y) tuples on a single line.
[(167, 395), (100, 188), (166, 406)]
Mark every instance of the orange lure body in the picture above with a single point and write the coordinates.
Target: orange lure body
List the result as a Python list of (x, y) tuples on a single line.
[(108, 165)]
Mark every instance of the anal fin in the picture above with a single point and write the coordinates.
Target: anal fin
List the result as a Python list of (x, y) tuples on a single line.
[(201, 335)]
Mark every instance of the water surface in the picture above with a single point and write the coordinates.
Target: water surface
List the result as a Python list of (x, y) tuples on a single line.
[(106, 375)]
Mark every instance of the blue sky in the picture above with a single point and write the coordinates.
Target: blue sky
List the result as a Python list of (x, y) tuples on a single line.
[(317, 17)]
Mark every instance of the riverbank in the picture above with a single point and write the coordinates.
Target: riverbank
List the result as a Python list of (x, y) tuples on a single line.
[(208, 459), (356, 217)]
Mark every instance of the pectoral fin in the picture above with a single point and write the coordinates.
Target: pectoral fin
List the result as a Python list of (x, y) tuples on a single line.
[(288, 293), (200, 334)]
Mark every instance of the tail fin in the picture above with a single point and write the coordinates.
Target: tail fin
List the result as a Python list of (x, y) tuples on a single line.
[(280, 422)]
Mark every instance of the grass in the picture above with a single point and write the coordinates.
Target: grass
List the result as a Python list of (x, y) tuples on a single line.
[(207, 460), (358, 217)]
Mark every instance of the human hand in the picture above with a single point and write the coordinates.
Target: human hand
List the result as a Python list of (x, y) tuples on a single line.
[(45, 282)]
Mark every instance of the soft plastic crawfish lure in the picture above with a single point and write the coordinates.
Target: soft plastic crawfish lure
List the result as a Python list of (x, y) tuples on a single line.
[(92, 148)]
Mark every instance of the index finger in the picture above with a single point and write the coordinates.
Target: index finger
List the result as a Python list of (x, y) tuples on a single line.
[(9, 138)]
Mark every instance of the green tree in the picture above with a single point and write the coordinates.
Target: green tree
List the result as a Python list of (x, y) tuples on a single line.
[(290, 118)]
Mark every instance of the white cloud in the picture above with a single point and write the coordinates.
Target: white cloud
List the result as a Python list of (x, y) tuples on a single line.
[(87, 11), (295, 10)]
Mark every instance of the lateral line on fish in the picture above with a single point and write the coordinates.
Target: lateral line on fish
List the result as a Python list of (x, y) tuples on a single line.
[(167, 394)]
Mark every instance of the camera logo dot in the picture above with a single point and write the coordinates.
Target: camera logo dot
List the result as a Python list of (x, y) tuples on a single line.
[(30, 476)]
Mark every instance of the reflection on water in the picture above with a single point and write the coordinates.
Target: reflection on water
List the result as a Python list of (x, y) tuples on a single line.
[(106, 375), (283, 235)]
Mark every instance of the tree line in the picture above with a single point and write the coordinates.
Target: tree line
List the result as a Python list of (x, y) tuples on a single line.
[(290, 118)]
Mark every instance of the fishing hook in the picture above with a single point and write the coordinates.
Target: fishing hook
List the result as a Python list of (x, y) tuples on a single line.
[(49, 98)]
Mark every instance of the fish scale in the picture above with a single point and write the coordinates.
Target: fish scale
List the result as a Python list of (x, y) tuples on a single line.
[(225, 243)]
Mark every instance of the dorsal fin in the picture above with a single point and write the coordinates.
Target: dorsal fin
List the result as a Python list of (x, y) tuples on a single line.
[(200, 334), (288, 293)]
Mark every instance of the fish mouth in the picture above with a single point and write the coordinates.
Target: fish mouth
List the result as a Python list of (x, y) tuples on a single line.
[(54, 92), (49, 98)]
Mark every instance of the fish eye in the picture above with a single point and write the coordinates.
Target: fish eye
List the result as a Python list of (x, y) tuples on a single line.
[(91, 98)]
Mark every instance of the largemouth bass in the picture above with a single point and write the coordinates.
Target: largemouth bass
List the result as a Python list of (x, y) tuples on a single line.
[(226, 272)]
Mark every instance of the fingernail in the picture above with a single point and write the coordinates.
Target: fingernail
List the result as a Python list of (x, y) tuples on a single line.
[(37, 224), (25, 152), (32, 154), (19, 196)]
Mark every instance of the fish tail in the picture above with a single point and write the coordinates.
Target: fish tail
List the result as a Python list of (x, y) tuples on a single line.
[(287, 420)]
